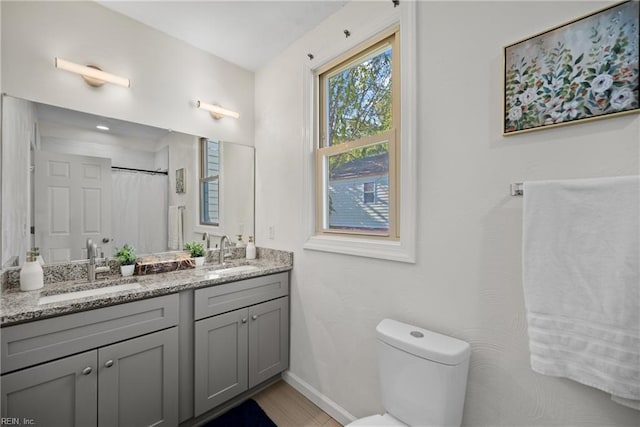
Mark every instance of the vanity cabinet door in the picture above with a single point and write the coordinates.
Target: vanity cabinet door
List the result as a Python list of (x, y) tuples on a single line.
[(139, 381), (220, 359), (60, 393), (268, 340)]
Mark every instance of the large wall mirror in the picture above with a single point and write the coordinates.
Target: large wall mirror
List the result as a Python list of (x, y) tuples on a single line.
[(68, 176)]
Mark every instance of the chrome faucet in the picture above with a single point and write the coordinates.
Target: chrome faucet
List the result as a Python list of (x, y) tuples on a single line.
[(225, 250), (205, 236), (92, 270)]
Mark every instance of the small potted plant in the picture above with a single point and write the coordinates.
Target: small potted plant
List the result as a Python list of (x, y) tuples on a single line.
[(196, 249), (126, 256)]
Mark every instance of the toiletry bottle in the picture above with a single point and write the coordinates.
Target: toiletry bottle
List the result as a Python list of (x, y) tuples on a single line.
[(240, 242), (31, 275), (251, 249)]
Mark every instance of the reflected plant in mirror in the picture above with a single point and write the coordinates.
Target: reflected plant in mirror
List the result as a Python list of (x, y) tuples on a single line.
[(126, 255), (68, 176)]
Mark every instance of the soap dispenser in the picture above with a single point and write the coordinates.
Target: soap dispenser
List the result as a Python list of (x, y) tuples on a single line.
[(251, 249), (31, 275)]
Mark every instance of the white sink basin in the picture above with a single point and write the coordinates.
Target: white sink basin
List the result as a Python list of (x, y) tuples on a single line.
[(237, 270), (88, 293)]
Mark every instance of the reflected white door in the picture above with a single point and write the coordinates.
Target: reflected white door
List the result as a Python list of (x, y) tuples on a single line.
[(72, 204)]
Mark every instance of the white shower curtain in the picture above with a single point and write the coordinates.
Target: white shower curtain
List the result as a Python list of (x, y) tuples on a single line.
[(139, 210)]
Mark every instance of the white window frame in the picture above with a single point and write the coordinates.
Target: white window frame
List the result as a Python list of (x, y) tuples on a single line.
[(371, 48), (402, 249)]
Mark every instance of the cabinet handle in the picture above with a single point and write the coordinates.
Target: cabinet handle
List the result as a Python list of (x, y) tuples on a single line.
[(87, 370), (254, 317), (244, 320), (108, 363)]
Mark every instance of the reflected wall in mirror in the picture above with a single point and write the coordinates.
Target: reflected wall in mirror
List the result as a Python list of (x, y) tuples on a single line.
[(68, 176)]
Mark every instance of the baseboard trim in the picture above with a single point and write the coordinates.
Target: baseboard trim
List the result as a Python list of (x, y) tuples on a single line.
[(336, 411)]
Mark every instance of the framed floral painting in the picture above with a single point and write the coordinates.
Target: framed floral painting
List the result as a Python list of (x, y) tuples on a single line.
[(583, 70)]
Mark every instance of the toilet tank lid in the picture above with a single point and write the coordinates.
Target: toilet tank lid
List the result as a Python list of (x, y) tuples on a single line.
[(423, 343)]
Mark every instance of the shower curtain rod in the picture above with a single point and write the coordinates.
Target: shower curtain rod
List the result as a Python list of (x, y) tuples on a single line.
[(140, 170)]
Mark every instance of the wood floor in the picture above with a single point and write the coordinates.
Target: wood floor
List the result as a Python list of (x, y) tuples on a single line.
[(288, 408)]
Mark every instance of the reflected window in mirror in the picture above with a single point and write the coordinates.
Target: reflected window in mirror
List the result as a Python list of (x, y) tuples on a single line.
[(209, 182)]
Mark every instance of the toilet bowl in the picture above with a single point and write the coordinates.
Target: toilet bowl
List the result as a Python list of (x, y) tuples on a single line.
[(423, 376)]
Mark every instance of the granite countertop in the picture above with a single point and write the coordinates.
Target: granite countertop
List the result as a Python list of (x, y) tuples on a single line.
[(18, 307)]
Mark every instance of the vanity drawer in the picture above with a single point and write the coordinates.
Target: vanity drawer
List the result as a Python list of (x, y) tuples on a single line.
[(230, 296), (43, 340)]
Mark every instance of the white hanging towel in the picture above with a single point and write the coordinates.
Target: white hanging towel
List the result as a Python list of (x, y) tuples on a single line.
[(175, 236), (581, 281)]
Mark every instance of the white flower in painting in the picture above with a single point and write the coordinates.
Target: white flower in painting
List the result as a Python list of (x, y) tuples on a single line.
[(621, 98), (558, 116), (554, 104), (528, 96), (571, 109), (557, 84), (601, 83), (515, 113)]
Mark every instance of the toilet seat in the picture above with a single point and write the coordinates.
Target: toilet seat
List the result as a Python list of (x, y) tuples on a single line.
[(385, 420)]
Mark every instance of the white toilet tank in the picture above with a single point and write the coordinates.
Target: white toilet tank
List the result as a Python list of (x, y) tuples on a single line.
[(423, 374)]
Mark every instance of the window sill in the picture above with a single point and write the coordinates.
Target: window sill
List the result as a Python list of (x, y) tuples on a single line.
[(392, 250)]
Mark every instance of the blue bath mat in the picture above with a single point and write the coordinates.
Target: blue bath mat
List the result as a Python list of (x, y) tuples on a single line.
[(247, 414)]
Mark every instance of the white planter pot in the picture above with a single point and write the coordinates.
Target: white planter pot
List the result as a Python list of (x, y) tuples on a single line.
[(199, 261), (127, 270)]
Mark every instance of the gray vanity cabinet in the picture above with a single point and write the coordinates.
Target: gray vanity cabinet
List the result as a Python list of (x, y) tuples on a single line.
[(268, 340), (239, 349), (61, 393), (138, 380), (221, 354), (127, 375)]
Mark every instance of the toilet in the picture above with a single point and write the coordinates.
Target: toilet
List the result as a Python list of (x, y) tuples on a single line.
[(423, 376)]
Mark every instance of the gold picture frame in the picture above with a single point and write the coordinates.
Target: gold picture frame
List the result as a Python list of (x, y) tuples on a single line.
[(583, 70)]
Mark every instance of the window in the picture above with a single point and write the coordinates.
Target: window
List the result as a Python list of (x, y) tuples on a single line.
[(357, 156), (369, 192), (209, 182)]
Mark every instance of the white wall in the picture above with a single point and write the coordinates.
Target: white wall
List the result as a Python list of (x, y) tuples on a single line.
[(183, 153), (237, 191), (467, 278), (167, 75), (161, 160), (16, 140), (1, 91)]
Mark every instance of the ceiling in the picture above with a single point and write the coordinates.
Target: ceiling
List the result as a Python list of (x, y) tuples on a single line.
[(246, 33), (88, 122)]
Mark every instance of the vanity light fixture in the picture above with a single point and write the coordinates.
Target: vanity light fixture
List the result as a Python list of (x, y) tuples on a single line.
[(91, 74), (217, 112), (102, 127)]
